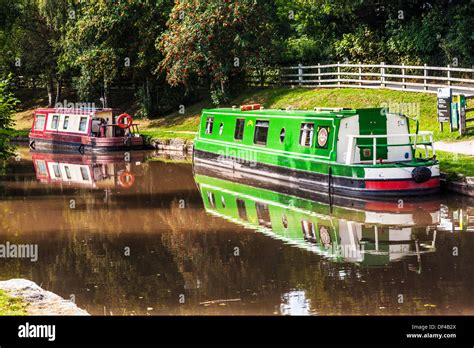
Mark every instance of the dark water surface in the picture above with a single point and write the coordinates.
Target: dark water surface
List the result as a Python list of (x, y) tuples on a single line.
[(152, 243)]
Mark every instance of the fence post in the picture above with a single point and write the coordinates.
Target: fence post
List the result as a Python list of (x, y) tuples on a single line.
[(425, 73), (382, 73), (319, 74), (449, 75), (338, 74), (360, 73), (403, 78), (300, 74)]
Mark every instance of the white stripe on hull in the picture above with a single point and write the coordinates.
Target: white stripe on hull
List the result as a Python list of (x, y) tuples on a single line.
[(396, 173)]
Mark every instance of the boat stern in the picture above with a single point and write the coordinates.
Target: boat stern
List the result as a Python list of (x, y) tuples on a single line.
[(402, 179)]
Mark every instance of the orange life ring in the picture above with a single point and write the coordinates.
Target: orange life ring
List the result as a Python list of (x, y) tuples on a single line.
[(126, 179), (121, 118)]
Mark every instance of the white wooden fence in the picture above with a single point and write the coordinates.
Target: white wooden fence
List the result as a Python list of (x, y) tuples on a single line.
[(403, 77)]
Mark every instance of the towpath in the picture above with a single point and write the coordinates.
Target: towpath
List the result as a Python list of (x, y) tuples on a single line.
[(465, 147)]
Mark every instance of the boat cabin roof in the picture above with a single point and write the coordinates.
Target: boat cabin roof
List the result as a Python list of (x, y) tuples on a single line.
[(320, 112), (78, 111)]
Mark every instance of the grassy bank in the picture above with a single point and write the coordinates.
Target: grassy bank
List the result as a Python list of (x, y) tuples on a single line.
[(410, 103), (184, 125), (10, 305)]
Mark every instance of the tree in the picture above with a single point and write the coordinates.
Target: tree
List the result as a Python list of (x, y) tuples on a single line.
[(213, 39), (8, 105), (33, 28), (110, 40)]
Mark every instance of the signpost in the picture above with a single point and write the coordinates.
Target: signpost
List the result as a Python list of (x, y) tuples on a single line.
[(444, 106)]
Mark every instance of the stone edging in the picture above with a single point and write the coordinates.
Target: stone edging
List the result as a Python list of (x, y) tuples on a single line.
[(463, 185), (38, 300)]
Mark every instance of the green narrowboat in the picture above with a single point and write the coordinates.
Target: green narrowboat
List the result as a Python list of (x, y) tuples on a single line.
[(351, 152), (372, 235)]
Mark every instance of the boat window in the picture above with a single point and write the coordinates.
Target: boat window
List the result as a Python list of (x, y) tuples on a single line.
[(223, 201), (82, 124), (261, 132), (68, 172), (66, 122), (57, 172), (242, 210), (284, 221), (263, 214), (54, 122), (39, 122), (308, 231), (85, 174), (209, 125), (306, 134), (41, 165), (239, 129), (221, 128), (282, 135), (211, 199)]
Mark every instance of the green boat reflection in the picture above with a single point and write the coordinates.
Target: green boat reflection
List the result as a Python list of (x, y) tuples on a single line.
[(368, 233)]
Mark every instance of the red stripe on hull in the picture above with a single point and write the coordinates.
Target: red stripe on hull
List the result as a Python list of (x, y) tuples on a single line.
[(391, 185)]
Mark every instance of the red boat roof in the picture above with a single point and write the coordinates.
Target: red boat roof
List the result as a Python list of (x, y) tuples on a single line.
[(80, 111)]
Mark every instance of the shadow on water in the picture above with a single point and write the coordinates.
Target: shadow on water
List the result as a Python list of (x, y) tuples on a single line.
[(138, 236)]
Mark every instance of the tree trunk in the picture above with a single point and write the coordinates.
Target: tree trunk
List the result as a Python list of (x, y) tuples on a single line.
[(50, 88), (223, 87), (106, 94), (59, 86)]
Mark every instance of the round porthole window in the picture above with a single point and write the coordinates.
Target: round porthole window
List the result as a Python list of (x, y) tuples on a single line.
[(282, 135), (221, 128)]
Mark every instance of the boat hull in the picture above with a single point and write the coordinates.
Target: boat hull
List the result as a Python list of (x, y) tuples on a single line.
[(324, 182), (85, 144)]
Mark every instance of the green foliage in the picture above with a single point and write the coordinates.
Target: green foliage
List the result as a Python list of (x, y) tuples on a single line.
[(172, 52), (218, 97), (360, 46), (8, 105)]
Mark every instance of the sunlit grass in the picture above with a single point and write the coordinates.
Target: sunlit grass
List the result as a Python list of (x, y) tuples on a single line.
[(453, 164), (10, 305)]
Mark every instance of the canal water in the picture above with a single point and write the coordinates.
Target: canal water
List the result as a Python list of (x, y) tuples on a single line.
[(145, 235)]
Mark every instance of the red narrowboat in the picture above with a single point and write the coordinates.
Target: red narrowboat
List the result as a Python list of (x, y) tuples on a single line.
[(84, 130)]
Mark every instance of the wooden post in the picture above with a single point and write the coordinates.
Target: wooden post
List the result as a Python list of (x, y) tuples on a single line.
[(300, 74), (338, 74), (449, 75), (403, 78), (360, 74), (319, 74), (382, 73), (425, 87), (374, 155)]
